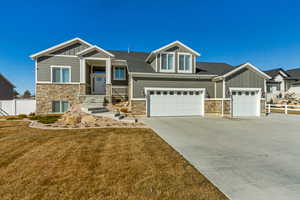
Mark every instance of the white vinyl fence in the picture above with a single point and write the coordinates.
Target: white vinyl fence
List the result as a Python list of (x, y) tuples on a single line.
[(17, 106), (284, 108)]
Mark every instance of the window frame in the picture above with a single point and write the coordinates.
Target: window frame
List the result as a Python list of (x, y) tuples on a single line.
[(119, 79), (178, 63), (61, 67), (60, 105), (173, 67)]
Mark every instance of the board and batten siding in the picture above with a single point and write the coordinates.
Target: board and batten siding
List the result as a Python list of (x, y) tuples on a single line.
[(96, 54), (44, 64), (71, 49), (244, 79), (139, 83), (219, 89)]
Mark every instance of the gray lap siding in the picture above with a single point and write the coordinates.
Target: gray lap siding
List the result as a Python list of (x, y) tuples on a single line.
[(140, 83), (44, 67)]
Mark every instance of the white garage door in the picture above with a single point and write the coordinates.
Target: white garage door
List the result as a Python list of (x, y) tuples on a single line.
[(175, 102), (245, 103)]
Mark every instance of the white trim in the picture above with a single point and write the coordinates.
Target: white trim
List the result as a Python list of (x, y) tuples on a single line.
[(139, 74), (156, 64), (172, 89), (131, 86), (170, 44), (56, 47), (173, 67), (49, 82), (114, 70), (215, 85), (119, 86), (178, 63), (93, 58), (224, 88), (87, 50), (61, 67), (245, 89), (248, 65), (217, 99)]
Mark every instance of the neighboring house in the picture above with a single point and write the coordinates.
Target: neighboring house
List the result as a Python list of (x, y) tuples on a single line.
[(279, 84), (294, 83), (6, 89), (165, 82)]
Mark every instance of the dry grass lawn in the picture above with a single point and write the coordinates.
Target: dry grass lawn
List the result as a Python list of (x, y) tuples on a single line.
[(94, 164)]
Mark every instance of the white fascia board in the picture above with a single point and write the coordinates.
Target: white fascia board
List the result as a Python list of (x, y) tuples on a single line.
[(172, 89), (137, 74), (94, 48), (170, 44), (245, 89), (56, 47), (241, 67)]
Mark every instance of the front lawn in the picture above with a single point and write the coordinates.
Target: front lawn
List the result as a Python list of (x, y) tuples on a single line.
[(94, 164)]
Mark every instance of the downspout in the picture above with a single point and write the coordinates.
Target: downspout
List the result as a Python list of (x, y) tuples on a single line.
[(222, 113)]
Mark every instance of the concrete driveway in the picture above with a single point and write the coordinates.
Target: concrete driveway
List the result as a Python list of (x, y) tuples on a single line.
[(246, 159)]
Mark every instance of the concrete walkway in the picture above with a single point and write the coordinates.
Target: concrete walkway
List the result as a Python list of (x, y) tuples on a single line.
[(247, 159)]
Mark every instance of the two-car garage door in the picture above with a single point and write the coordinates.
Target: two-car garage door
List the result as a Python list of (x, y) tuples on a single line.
[(175, 102)]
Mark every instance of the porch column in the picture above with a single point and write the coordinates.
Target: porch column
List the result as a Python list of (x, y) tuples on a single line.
[(108, 71), (108, 80), (82, 71)]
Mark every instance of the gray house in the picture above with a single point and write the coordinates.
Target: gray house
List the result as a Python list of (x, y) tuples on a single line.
[(6, 89), (165, 82)]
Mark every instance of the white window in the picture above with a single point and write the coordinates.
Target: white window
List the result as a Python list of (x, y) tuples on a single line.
[(184, 62), (60, 74), (60, 106), (167, 62), (119, 73)]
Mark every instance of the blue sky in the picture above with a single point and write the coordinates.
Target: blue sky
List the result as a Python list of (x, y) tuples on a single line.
[(266, 33)]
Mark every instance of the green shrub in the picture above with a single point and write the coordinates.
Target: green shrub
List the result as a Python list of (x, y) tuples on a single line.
[(45, 119), (32, 114), (22, 116), (12, 118)]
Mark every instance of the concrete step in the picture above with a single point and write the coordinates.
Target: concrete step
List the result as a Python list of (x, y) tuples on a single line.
[(99, 110)]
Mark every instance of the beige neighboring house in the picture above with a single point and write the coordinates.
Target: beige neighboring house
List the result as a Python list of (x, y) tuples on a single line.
[(168, 81)]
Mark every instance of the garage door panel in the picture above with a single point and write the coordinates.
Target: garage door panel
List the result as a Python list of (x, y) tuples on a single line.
[(184, 104), (245, 103)]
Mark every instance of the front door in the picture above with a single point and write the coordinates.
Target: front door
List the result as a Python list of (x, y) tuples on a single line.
[(99, 81)]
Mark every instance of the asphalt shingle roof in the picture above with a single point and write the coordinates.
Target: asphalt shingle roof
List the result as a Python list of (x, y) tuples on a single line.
[(135, 61), (294, 73), (274, 72), (213, 68)]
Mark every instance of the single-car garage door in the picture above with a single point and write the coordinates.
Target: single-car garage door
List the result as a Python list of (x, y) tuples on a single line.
[(245, 102), (175, 101)]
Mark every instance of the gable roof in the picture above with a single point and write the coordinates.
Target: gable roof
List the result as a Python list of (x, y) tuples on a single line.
[(213, 68), (294, 73), (275, 72), (59, 46), (92, 48), (240, 67), (169, 45), (6, 80)]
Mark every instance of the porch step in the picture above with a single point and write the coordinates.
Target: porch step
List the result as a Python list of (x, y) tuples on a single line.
[(98, 110), (86, 99)]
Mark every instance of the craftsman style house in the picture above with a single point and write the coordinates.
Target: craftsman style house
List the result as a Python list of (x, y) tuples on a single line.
[(165, 82)]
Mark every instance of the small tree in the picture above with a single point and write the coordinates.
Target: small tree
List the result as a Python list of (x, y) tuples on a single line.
[(26, 94)]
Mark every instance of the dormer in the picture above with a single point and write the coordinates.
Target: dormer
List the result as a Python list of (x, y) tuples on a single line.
[(175, 57)]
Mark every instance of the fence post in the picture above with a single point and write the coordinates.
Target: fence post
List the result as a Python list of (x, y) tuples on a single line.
[(269, 108), (285, 109)]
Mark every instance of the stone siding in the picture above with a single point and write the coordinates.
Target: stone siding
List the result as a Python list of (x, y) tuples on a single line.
[(138, 107), (47, 93), (215, 106)]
